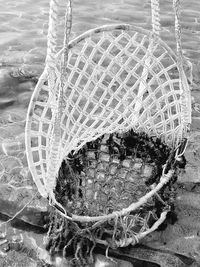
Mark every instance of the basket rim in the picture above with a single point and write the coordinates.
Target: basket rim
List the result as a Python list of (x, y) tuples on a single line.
[(123, 27), (43, 78)]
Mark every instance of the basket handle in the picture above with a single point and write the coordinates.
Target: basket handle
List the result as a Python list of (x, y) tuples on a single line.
[(52, 38), (67, 32), (52, 34), (155, 17), (183, 84), (56, 79), (155, 20)]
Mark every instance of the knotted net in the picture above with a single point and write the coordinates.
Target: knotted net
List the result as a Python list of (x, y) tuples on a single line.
[(106, 129)]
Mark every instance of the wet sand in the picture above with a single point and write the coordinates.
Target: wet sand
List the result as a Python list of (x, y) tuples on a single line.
[(22, 56)]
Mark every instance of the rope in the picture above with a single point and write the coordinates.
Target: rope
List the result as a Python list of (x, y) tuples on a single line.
[(55, 142), (135, 239), (68, 26), (176, 4), (143, 87), (52, 34), (64, 78), (183, 84), (155, 15)]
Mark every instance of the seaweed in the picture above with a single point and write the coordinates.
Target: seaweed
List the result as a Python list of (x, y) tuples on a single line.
[(78, 175)]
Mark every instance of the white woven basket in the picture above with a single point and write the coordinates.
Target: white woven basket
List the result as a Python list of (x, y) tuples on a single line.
[(114, 78), (107, 67)]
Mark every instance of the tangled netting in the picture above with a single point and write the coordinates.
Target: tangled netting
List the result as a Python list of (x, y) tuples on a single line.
[(107, 175)]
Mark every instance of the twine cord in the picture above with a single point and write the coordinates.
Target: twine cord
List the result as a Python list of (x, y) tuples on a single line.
[(183, 84), (143, 87), (155, 15), (57, 88)]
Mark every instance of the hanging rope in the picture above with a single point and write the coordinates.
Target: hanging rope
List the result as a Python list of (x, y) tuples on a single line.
[(52, 34), (68, 26), (64, 75), (155, 17), (155, 14), (58, 87), (185, 94), (176, 4)]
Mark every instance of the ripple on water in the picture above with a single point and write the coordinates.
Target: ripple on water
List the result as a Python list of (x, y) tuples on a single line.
[(9, 163), (12, 115), (13, 147), (12, 130), (6, 102)]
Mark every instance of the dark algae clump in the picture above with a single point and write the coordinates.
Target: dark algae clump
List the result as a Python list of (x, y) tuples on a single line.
[(104, 176)]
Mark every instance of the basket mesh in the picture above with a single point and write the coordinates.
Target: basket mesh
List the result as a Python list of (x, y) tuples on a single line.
[(104, 176), (110, 173), (114, 84)]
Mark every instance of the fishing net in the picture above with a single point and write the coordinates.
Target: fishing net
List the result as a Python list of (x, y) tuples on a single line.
[(104, 177), (106, 130)]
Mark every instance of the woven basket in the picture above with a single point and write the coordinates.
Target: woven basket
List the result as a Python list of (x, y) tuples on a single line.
[(120, 79), (102, 95)]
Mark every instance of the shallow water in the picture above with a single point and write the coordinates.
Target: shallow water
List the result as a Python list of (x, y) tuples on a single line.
[(23, 34), (24, 29)]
